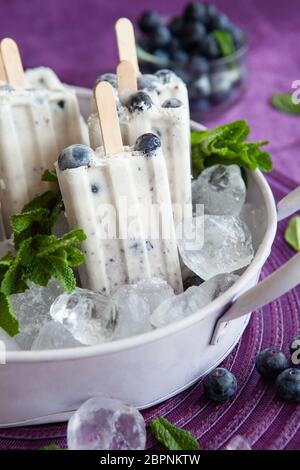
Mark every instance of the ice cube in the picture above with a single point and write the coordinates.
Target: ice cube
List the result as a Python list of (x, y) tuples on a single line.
[(54, 335), (154, 291), (221, 189), (7, 343), (85, 316), (106, 424), (130, 310), (32, 310), (238, 443), (220, 244), (192, 300)]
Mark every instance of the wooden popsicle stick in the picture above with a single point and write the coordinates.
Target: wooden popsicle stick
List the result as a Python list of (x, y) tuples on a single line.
[(2, 71), (127, 79), (12, 62), (126, 42), (109, 120)]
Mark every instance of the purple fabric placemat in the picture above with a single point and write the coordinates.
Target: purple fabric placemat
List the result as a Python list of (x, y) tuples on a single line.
[(76, 39), (254, 412)]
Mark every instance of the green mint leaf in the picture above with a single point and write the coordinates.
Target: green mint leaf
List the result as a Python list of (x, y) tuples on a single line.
[(172, 437), (226, 145), (292, 233), (283, 102), (224, 41), (21, 222), (75, 257), (8, 321), (40, 272), (65, 276), (49, 176), (51, 243), (52, 447), (45, 201)]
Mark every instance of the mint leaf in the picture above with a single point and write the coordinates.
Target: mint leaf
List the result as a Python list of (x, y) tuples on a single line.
[(49, 176), (45, 201), (65, 276), (50, 244), (292, 233), (75, 257), (283, 102), (227, 145), (224, 41), (21, 222), (40, 272), (172, 437), (8, 321)]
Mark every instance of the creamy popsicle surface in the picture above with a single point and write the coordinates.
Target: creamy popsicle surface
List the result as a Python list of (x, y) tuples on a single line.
[(97, 190), (37, 120), (170, 123)]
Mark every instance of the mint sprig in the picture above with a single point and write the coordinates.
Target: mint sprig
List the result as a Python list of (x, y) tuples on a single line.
[(227, 145), (224, 41), (172, 437), (39, 254), (292, 233), (283, 102)]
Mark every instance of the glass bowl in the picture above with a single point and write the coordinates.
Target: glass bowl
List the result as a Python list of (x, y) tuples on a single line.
[(212, 88)]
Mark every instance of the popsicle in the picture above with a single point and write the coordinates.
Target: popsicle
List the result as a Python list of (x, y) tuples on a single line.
[(100, 187), (35, 125), (139, 115)]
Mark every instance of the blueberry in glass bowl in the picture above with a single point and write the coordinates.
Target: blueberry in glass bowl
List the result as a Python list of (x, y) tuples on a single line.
[(204, 48)]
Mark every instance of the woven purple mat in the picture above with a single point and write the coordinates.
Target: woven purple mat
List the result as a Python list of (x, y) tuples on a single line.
[(255, 412)]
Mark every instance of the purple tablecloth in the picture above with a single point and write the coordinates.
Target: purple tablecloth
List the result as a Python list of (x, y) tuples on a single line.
[(76, 39)]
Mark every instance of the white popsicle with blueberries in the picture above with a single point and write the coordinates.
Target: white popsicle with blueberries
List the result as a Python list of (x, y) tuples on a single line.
[(35, 125), (138, 113), (93, 182)]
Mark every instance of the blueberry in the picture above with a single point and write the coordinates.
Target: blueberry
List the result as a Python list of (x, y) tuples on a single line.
[(108, 77), (295, 348), (220, 97), (145, 44), (218, 21), (220, 385), (162, 55), (165, 75), (288, 385), (95, 188), (7, 87), (176, 26), (140, 101), (199, 64), (61, 104), (197, 89), (179, 56), (193, 34), (75, 156), (238, 36), (161, 37), (211, 10), (147, 81), (172, 103), (194, 11), (149, 21), (209, 47), (147, 143), (270, 363)]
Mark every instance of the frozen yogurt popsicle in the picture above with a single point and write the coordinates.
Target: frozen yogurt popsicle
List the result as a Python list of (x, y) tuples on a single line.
[(95, 185), (35, 125), (169, 122)]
